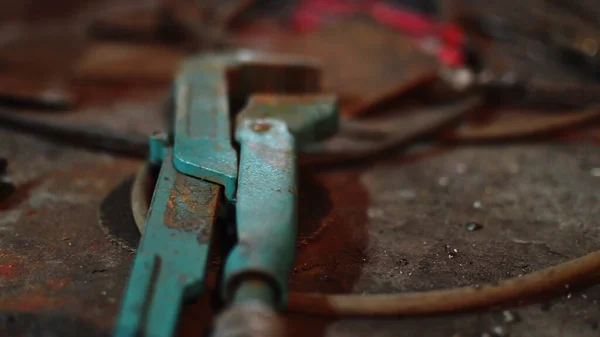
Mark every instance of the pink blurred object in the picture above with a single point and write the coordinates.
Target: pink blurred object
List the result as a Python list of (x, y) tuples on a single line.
[(311, 14)]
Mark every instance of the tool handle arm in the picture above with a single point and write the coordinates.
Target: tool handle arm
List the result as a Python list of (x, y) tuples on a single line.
[(266, 208)]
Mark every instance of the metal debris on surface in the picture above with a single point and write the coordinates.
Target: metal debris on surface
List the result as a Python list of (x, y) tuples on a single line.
[(473, 226), (499, 331), (452, 252), (511, 317)]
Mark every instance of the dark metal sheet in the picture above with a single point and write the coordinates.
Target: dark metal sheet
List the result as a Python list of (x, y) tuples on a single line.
[(373, 66)]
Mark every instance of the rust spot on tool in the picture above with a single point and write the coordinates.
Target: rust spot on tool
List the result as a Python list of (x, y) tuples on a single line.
[(189, 208)]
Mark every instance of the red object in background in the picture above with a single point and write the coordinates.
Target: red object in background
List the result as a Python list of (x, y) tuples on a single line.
[(305, 21), (451, 56), (310, 14), (453, 34), (451, 53)]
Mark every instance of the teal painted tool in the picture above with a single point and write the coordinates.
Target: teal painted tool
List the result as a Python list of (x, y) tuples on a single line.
[(171, 259), (204, 90), (269, 131), (201, 169)]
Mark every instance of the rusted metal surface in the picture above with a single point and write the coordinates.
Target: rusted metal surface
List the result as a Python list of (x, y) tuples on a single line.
[(194, 24), (374, 66), (401, 226), (57, 265), (141, 24), (378, 227), (119, 62), (26, 80), (506, 124), (171, 260), (183, 208), (204, 24)]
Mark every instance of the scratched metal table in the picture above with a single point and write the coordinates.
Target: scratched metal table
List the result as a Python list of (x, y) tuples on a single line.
[(384, 226)]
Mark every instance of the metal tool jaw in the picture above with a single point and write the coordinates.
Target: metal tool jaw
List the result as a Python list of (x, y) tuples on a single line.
[(201, 169), (204, 91)]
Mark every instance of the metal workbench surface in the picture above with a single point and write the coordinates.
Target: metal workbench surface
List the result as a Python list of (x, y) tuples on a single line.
[(396, 224)]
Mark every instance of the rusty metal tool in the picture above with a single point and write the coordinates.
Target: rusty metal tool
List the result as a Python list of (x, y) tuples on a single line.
[(201, 170)]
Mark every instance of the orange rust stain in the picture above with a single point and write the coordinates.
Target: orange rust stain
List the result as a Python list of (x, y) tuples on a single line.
[(168, 218), (261, 127), (58, 283), (10, 270), (31, 302), (282, 99), (332, 231), (265, 99)]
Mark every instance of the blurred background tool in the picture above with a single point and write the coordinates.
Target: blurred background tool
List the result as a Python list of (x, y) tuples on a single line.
[(198, 24)]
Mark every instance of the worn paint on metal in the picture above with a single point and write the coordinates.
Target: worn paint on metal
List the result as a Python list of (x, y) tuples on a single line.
[(158, 143), (202, 143), (185, 210), (307, 117), (266, 211), (171, 261), (172, 257), (269, 130), (203, 91)]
